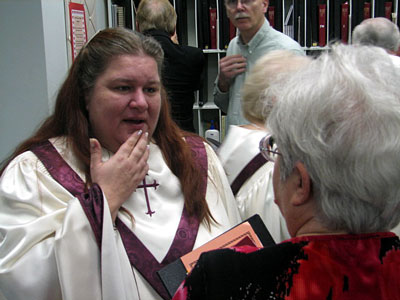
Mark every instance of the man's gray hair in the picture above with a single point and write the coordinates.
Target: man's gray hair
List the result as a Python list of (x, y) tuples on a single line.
[(379, 32), (156, 14), (340, 116)]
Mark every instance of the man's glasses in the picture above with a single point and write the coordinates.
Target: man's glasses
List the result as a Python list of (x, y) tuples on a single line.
[(268, 148), (233, 3)]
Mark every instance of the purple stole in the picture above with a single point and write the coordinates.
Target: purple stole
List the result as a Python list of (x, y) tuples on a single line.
[(254, 164), (92, 203)]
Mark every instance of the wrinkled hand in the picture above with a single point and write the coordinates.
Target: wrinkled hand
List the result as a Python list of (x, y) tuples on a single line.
[(229, 67), (123, 172)]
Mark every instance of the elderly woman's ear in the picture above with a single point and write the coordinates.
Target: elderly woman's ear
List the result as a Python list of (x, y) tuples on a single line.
[(302, 193)]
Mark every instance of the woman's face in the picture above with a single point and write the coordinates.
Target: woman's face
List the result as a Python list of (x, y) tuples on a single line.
[(126, 98)]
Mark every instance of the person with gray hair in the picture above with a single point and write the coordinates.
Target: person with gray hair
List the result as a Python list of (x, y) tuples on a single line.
[(249, 174), (334, 137), (379, 32), (183, 65)]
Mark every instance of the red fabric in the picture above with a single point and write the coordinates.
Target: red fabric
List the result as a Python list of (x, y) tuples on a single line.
[(331, 259), (365, 266)]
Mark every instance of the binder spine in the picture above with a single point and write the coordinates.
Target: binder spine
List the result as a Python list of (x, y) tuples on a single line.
[(345, 22), (367, 10), (322, 25), (388, 10), (213, 27)]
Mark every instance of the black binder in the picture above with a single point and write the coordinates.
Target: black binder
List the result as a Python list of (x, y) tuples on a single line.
[(299, 21), (277, 4), (203, 24), (174, 274), (312, 24), (181, 24), (335, 14), (357, 12), (223, 27)]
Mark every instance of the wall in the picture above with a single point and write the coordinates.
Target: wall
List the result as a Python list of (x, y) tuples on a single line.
[(35, 56)]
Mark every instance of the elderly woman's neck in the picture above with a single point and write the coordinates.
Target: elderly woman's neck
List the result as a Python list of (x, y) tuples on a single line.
[(313, 227), (254, 126)]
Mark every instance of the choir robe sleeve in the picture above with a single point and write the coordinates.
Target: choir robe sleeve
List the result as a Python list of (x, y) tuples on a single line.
[(217, 178), (256, 196), (47, 246)]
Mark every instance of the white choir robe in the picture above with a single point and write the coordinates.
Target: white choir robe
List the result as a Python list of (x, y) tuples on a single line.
[(48, 249), (256, 196)]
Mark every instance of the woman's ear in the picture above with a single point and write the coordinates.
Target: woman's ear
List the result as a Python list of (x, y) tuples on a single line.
[(303, 185)]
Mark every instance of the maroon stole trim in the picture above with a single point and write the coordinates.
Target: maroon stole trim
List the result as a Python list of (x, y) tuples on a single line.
[(254, 164), (92, 203)]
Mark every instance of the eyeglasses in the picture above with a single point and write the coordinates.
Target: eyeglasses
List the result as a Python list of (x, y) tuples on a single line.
[(268, 148), (233, 3)]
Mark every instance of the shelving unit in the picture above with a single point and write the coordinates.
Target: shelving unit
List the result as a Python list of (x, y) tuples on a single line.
[(299, 19)]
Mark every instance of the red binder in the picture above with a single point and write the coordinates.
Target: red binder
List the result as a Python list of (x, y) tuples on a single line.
[(388, 10), (213, 27), (367, 10), (344, 24), (271, 16), (322, 25)]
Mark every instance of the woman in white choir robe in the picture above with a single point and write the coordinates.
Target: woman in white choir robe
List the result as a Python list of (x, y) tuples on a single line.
[(108, 190), (248, 172)]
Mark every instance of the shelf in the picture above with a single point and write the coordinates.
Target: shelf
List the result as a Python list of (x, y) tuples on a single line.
[(211, 51), (207, 105)]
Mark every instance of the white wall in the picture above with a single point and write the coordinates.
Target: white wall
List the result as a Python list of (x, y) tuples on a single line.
[(34, 56)]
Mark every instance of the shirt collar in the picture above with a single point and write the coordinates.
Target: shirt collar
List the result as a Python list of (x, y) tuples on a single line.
[(258, 37)]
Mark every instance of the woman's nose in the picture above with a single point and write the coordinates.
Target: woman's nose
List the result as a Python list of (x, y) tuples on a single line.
[(138, 100)]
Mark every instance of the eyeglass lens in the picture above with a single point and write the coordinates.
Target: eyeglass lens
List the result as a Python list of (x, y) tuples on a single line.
[(268, 148), (233, 3)]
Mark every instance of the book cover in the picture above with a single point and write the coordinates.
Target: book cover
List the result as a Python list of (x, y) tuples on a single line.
[(322, 25), (345, 22), (250, 232)]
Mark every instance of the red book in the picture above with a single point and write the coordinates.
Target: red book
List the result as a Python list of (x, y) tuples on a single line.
[(213, 27), (271, 16), (232, 30), (367, 10), (344, 24), (388, 10), (322, 25)]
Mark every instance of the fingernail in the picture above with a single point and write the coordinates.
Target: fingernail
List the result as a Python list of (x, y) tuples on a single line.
[(139, 132), (147, 134)]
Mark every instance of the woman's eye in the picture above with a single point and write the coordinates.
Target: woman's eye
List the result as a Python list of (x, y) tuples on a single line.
[(123, 88), (150, 90)]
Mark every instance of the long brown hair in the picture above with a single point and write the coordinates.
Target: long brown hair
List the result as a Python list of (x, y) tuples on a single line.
[(70, 117)]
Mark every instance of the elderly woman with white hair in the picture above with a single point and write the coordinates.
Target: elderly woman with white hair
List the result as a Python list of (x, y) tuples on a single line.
[(248, 172), (335, 142)]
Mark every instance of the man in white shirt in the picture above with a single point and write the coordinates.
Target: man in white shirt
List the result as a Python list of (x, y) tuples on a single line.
[(256, 37)]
